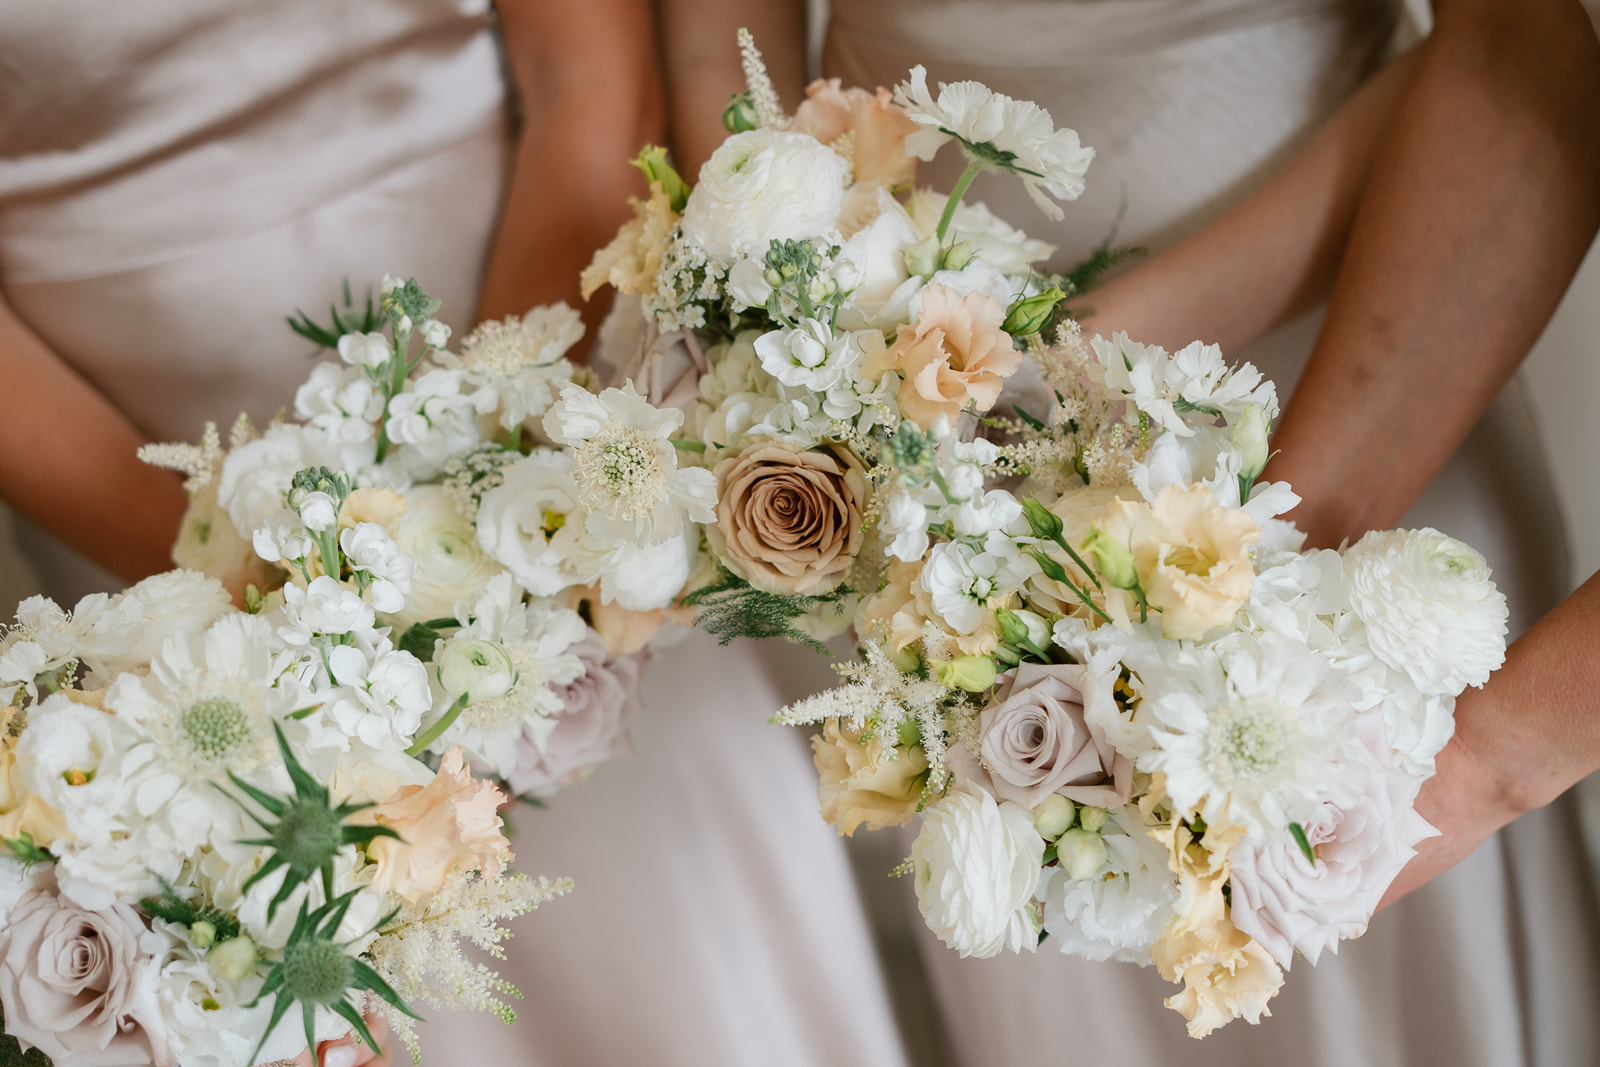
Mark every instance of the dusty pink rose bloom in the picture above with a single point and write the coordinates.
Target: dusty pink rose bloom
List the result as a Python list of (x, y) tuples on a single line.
[(1286, 903), (1039, 737), (591, 728), (879, 124), (955, 353), (70, 982)]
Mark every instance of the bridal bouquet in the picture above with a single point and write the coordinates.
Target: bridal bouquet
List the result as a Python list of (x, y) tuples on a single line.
[(215, 855), (1135, 716)]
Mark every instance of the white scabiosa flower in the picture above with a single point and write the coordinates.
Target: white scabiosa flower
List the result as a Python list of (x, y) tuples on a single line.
[(1015, 135), (513, 368), (762, 186), (626, 468), (1430, 607), (1253, 732), (976, 864)]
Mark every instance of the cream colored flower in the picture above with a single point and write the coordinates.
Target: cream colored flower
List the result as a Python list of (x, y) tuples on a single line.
[(789, 520), (450, 822), (863, 781), (877, 127), (1225, 974), (632, 260), (955, 354), (24, 812), (208, 542), (1193, 557)]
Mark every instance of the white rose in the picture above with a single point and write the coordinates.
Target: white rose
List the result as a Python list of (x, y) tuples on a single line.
[(976, 864), (1429, 606), (449, 561), (763, 186)]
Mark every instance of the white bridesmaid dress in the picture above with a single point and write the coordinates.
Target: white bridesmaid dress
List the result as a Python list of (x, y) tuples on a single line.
[(178, 175), (1189, 104)]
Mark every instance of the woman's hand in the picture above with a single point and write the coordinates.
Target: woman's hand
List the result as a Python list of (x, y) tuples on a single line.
[(346, 1052)]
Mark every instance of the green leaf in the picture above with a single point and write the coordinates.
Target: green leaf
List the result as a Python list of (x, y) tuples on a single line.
[(1299, 835), (1029, 419), (689, 446), (26, 850), (730, 608), (418, 640)]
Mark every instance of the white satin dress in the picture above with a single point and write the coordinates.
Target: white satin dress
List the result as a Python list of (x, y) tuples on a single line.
[(1189, 104), (178, 175)]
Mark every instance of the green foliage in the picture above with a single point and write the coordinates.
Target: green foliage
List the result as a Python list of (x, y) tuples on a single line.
[(1299, 835), (27, 850), (731, 607), (1086, 274), (420, 636), (11, 1054), (174, 909), (348, 319)]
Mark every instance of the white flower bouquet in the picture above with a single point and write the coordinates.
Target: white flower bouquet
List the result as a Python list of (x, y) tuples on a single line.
[(1133, 714), (210, 863)]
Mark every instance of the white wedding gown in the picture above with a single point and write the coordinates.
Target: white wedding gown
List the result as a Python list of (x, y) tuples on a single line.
[(1189, 104), (178, 175)]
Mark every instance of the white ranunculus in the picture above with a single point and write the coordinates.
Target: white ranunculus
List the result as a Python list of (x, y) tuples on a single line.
[(976, 864), (1120, 910), (763, 186), (449, 562), (1430, 607), (171, 604)]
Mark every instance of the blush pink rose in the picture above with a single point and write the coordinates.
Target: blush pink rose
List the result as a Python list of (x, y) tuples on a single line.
[(592, 726)]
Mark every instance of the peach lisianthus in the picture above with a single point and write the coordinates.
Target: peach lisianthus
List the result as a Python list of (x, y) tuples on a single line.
[(451, 822), (955, 353), (862, 781), (879, 127), (631, 261), (1192, 556)]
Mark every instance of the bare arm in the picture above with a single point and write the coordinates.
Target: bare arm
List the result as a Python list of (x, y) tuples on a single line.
[(590, 87), (1531, 733), (703, 69), (71, 462)]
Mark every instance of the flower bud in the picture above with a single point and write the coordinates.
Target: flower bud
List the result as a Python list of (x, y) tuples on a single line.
[(909, 734), (318, 511), (435, 334), (1081, 853), (959, 255), (1111, 559), (740, 115), (971, 673), (652, 162), (1037, 630), (233, 960), (1031, 314), (906, 660), (1248, 434), (480, 670), (1053, 817), (1046, 524), (922, 258), (202, 933), (1092, 818)]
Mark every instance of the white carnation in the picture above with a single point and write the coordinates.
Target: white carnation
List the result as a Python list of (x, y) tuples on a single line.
[(976, 864), (1430, 607), (762, 186)]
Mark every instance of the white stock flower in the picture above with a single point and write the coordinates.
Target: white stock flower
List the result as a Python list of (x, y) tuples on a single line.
[(1430, 607), (323, 607), (449, 561), (343, 402), (369, 549), (762, 186), (1194, 381), (1125, 907), (976, 864), (906, 519), (1256, 732), (960, 582), (381, 694), (318, 511), (1017, 135), (747, 283), (811, 356), (625, 466), (366, 350), (283, 537), (435, 334), (434, 419)]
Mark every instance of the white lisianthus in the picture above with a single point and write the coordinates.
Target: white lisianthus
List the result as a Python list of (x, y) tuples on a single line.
[(625, 467), (976, 864), (1120, 911), (323, 607), (811, 356), (449, 562), (283, 538), (369, 549), (1257, 732), (532, 524), (207, 1023), (366, 350), (762, 186), (992, 127), (1430, 607), (343, 402), (645, 577), (84, 763)]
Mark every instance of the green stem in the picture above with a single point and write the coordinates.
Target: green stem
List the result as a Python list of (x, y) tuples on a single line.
[(432, 733), (955, 197), (1062, 541)]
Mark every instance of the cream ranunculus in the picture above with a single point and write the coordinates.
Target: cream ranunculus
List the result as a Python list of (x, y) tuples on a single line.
[(1193, 556), (976, 865), (71, 983), (789, 520), (864, 781), (450, 822), (763, 186), (956, 353), (450, 563)]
